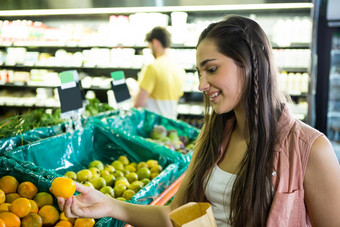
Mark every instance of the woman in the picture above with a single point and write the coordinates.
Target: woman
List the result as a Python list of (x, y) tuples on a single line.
[(255, 163)]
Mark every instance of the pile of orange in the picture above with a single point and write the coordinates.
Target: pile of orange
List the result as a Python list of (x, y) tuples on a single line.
[(21, 204)]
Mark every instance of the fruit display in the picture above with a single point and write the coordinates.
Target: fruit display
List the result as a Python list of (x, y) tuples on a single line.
[(170, 138), (22, 204), (141, 125), (120, 179)]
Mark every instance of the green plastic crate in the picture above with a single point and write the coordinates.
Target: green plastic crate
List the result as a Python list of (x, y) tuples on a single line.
[(138, 123), (75, 151)]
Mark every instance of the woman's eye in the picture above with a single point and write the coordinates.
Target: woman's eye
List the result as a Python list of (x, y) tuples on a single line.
[(212, 70)]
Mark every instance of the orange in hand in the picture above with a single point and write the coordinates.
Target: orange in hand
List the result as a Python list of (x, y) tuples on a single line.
[(63, 187)]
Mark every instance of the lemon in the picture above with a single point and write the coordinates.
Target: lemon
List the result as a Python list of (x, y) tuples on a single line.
[(121, 199), (127, 194), (110, 180), (124, 160), (145, 181), (97, 164), (118, 173), (131, 177), (136, 186), (71, 174), (109, 168), (118, 165), (156, 169), (122, 180), (108, 190), (84, 175), (141, 165), (119, 189), (95, 172), (98, 182), (151, 163), (143, 172), (104, 173), (130, 168), (88, 184)]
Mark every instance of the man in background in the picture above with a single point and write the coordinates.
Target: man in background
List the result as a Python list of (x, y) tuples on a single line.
[(161, 82)]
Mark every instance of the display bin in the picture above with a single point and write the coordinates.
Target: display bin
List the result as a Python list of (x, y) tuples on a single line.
[(75, 151), (10, 143), (37, 134), (27, 171), (139, 124)]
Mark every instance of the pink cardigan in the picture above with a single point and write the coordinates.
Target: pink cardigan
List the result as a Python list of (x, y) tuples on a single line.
[(291, 154)]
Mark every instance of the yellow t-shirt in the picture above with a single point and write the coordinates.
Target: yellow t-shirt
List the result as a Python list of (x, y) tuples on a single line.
[(163, 80)]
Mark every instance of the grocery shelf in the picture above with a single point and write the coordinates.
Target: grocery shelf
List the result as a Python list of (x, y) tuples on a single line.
[(99, 69), (81, 45)]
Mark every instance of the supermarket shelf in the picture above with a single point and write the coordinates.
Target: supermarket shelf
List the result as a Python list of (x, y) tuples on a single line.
[(128, 71), (76, 45), (39, 84), (167, 194), (293, 69), (29, 102), (82, 45)]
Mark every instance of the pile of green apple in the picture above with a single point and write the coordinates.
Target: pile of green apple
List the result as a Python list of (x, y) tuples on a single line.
[(170, 138), (121, 179)]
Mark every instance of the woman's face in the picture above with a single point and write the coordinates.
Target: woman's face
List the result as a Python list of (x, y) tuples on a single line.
[(219, 77)]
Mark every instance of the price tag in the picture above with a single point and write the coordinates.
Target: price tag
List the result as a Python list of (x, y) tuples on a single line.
[(119, 87), (69, 92)]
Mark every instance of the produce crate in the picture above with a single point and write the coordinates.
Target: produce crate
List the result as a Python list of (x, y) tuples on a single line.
[(10, 143), (37, 134), (26, 171), (67, 151), (138, 123)]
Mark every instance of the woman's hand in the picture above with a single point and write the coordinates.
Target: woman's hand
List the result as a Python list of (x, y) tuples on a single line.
[(91, 203)]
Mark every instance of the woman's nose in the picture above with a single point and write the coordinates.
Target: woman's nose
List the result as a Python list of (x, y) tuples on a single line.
[(203, 84)]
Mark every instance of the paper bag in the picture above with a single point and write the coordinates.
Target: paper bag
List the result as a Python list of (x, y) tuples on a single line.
[(193, 215)]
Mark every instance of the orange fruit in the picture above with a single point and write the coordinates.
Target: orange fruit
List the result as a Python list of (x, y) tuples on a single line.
[(84, 222), (8, 184), (27, 190), (62, 217), (2, 223), (34, 206), (49, 215), (2, 196), (63, 187), (43, 198), (11, 197), (64, 224), (21, 207), (4, 207), (10, 219), (31, 220)]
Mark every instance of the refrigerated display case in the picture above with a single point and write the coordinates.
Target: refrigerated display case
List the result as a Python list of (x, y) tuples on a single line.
[(327, 96)]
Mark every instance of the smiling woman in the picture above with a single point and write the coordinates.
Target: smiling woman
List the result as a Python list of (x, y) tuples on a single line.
[(220, 77), (253, 161)]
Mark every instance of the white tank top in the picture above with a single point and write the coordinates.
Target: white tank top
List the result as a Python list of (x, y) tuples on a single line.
[(218, 191)]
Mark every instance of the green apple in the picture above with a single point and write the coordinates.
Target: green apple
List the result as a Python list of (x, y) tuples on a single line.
[(84, 175), (98, 182), (95, 172), (96, 163), (71, 174), (107, 190)]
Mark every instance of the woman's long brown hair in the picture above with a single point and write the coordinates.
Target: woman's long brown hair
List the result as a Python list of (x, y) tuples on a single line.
[(245, 42)]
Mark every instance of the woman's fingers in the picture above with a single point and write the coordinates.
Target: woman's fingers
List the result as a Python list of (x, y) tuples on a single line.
[(82, 188), (61, 203), (68, 208)]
